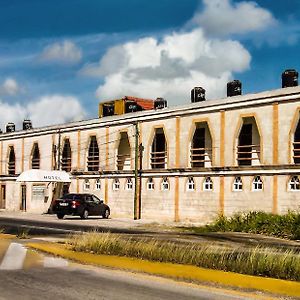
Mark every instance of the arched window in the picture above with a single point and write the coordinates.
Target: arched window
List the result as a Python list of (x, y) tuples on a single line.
[(66, 160), (93, 155), (248, 148), (116, 184), (238, 184), (150, 184), (124, 152), (165, 186), (98, 184), (190, 185), (11, 161), (257, 184), (35, 160), (207, 184), (201, 146), (129, 184), (294, 184), (159, 153), (86, 185)]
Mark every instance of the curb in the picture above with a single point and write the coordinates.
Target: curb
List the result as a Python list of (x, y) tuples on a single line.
[(186, 272), (5, 236)]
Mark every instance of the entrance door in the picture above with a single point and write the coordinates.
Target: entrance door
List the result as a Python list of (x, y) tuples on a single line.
[(2, 196), (23, 197)]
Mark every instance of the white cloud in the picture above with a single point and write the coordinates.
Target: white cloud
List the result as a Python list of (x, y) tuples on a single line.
[(203, 54), (222, 17), (47, 110), (10, 87), (64, 52), (170, 67)]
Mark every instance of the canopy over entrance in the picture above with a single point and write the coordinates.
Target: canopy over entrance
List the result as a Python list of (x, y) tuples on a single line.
[(44, 176)]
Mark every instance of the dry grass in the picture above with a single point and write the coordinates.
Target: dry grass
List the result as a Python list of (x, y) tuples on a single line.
[(257, 261)]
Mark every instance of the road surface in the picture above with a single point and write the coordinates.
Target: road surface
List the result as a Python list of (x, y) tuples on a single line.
[(26, 274)]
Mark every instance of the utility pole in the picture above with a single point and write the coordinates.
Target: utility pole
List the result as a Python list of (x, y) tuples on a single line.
[(141, 149), (59, 150), (136, 173)]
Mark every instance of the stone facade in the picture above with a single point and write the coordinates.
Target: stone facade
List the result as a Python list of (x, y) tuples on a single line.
[(246, 161)]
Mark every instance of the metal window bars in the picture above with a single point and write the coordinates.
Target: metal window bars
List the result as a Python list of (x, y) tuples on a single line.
[(248, 153), (199, 156), (158, 160)]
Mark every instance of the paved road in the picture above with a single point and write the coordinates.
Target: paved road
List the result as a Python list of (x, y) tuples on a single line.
[(87, 283), (27, 274)]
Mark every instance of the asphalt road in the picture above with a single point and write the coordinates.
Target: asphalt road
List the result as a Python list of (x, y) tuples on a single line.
[(80, 283)]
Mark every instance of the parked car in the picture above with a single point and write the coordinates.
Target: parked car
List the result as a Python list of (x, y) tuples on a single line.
[(83, 205)]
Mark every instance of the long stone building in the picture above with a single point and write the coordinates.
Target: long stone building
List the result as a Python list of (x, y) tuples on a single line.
[(195, 161)]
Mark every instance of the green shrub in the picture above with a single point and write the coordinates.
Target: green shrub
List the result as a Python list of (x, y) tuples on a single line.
[(284, 226)]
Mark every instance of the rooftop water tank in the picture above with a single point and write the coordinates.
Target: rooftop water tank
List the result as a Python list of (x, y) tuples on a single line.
[(234, 88), (10, 127), (27, 124), (197, 94), (160, 103), (289, 78)]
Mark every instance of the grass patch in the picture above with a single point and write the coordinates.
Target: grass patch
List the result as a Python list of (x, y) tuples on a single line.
[(256, 261), (284, 226), (23, 234)]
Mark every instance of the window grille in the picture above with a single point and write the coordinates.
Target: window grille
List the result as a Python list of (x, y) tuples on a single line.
[(93, 155), (207, 184), (129, 184), (238, 184), (296, 145), (35, 161), (116, 184), (86, 185), (294, 184), (200, 152), (11, 161), (98, 184), (158, 155), (124, 153), (66, 161), (150, 184), (165, 184), (247, 150), (190, 184), (257, 184)]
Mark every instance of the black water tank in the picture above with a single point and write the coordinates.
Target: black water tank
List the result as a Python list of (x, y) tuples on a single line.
[(160, 103), (10, 127), (27, 124), (108, 110), (234, 88), (197, 94), (131, 106), (289, 78)]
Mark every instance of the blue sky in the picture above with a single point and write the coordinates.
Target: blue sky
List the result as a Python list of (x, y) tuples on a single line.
[(59, 58)]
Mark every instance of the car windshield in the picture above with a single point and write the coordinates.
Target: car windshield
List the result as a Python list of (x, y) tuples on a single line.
[(71, 197)]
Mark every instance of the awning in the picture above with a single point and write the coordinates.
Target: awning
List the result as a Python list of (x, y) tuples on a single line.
[(44, 176)]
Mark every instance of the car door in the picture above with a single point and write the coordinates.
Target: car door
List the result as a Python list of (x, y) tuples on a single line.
[(91, 205), (99, 208)]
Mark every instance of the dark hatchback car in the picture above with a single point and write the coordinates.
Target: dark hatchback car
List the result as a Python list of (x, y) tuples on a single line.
[(83, 205)]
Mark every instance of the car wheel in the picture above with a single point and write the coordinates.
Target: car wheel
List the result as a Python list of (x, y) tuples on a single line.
[(60, 216), (85, 214), (105, 214)]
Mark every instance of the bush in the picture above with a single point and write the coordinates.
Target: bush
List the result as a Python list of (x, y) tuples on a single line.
[(284, 226)]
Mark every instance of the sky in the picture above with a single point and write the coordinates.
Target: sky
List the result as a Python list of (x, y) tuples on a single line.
[(59, 58)]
